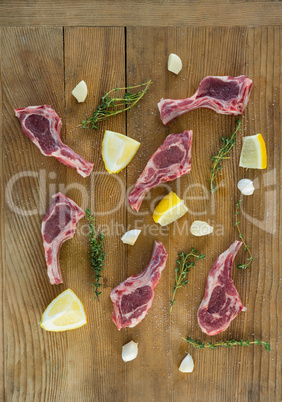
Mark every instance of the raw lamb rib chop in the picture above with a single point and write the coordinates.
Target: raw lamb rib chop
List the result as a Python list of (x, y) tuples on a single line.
[(224, 95), (42, 126), (221, 303), (133, 298), (58, 225), (171, 160)]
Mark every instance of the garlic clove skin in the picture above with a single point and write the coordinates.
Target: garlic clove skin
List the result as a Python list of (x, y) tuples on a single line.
[(80, 92), (187, 364), (246, 186), (131, 236), (200, 228), (129, 351), (174, 63)]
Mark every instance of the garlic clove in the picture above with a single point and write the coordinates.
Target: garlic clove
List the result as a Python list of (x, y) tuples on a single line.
[(80, 91), (174, 63), (200, 228), (131, 236), (246, 186), (129, 351), (187, 364)]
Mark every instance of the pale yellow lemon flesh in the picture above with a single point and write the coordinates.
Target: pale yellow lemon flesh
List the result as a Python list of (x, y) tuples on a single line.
[(118, 150), (253, 154), (169, 209), (65, 312)]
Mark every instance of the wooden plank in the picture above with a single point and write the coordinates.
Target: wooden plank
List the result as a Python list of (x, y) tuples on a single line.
[(96, 55), (32, 74), (2, 250), (239, 373), (264, 111), (143, 124), (139, 13)]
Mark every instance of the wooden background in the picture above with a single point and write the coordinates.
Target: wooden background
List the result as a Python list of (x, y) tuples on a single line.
[(42, 64)]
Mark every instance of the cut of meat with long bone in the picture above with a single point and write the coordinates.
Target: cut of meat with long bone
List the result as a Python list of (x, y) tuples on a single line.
[(170, 161), (133, 298), (58, 225), (221, 302), (42, 126), (224, 95)]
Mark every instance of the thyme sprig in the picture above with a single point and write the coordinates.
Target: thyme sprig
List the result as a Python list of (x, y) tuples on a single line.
[(227, 144), (184, 263), (97, 255), (229, 344), (113, 103), (246, 247)]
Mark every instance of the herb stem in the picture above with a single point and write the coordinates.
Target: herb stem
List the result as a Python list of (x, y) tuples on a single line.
[(97, 255), (111, 106), (184, 263), (229, 344), (228, 144), (246, 247)]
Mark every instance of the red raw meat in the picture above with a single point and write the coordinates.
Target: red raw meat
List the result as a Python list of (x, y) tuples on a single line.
[(171, 160), (42, 126), (224, 95), (221, 303), (133, 298), (58, 225)]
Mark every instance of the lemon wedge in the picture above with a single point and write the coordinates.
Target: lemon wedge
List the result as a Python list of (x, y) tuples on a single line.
[(118, 150), (65, 312), (253, 154), (169, 209)]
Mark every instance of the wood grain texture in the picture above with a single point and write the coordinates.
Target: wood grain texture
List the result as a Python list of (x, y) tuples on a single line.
[(209, 51), (97, 56), (2, 249), (42, 65), (32, 74), (139, 13)]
